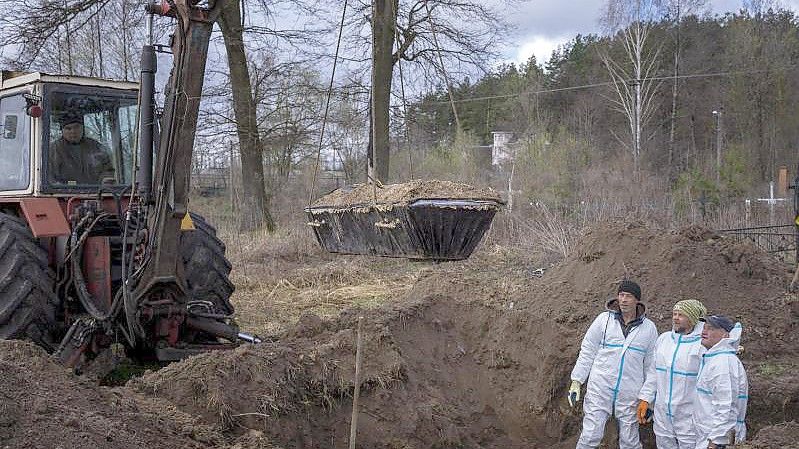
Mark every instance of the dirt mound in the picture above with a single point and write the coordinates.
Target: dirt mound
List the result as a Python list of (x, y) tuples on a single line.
[(404, 193), (784, 435), (50, 408), (773, 389), (728, 277)]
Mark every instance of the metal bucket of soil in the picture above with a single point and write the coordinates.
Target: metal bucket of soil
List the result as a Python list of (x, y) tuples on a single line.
[(435, 220)]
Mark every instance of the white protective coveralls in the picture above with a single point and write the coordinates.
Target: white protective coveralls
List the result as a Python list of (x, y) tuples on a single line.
[(615, 367), (670, 387), (722, 394)]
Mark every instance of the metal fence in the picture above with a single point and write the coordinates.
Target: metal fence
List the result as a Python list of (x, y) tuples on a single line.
[(766, 223)]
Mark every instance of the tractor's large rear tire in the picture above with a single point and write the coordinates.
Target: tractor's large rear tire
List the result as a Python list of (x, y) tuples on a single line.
[(206, 268), (28, 302)]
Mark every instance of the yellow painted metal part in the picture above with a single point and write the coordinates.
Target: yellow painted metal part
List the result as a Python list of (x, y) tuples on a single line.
[(187, 224)]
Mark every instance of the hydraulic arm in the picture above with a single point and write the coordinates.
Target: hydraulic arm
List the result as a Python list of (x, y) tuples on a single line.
[(158, 305)]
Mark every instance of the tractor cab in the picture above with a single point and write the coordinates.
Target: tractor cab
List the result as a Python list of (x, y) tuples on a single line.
[(65, 135)]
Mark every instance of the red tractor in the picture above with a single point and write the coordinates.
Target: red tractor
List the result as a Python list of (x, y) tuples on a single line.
[(98, 247)]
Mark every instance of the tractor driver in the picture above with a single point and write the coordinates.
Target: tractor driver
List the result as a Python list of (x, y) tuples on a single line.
[(76, 158)]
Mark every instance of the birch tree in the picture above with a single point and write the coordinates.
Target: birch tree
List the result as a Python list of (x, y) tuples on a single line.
[(632, 73)]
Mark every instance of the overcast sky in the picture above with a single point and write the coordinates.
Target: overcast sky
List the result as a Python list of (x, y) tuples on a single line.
[(544, 24)]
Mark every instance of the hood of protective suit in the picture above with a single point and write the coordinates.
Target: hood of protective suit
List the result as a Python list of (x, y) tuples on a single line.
[(729, 343), (697, 330)]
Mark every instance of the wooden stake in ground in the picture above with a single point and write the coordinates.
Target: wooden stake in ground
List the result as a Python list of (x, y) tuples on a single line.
[(356, 394)]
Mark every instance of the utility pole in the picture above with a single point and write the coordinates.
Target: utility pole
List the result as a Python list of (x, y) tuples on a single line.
[(718, 146)]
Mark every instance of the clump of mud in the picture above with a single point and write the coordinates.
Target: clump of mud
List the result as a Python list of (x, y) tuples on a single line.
[(360, 194)]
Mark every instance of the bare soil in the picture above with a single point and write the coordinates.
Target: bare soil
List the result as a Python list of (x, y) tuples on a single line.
[(42, 405), (360, 194), (784, 435), (465, 354)]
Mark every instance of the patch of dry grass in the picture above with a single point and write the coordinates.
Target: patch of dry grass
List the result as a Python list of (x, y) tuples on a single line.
[(281, 276), (269, 306)]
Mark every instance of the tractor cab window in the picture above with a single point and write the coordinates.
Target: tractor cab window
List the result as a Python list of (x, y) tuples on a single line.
[(14, 144), (91, 139)]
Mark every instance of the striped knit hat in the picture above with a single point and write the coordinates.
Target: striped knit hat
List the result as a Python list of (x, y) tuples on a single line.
[(692, 308)]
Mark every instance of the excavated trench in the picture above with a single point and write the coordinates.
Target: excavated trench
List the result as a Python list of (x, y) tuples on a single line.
[(437, 374)]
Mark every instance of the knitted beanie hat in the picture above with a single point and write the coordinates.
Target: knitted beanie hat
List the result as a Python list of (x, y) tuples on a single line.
[(692, 308), (630, 287)]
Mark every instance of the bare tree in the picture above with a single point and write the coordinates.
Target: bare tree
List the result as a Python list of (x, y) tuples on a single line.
[(759, 6), (246, 89), (437, 36), (81, 37), (30, 26), (254, 193), (345, 136), (290, 109), (632, 73)]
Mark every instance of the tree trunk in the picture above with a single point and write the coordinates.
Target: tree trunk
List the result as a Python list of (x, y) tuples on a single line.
[(254, 210), (637, 67), (674, 91), (384, 18)]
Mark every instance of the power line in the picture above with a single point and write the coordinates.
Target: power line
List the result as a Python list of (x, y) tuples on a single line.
[(610, 83)]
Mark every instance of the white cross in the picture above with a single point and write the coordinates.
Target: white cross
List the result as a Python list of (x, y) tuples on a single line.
[(771, 200)]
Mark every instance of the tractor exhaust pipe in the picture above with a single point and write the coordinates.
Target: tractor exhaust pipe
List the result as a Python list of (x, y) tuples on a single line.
[(149, 66)]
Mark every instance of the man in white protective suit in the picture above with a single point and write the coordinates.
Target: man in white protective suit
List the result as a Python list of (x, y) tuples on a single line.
[(670, 386), (614, 357), (722, 389)]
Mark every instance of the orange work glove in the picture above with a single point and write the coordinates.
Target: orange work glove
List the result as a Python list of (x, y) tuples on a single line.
[(643, 417)]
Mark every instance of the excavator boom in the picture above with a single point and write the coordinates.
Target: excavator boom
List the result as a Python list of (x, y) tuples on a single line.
[(159, 292)]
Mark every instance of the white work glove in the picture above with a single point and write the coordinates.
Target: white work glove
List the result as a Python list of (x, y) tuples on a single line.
[(574, 393)]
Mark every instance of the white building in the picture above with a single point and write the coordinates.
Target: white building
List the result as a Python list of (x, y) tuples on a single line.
[(501, 151)]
